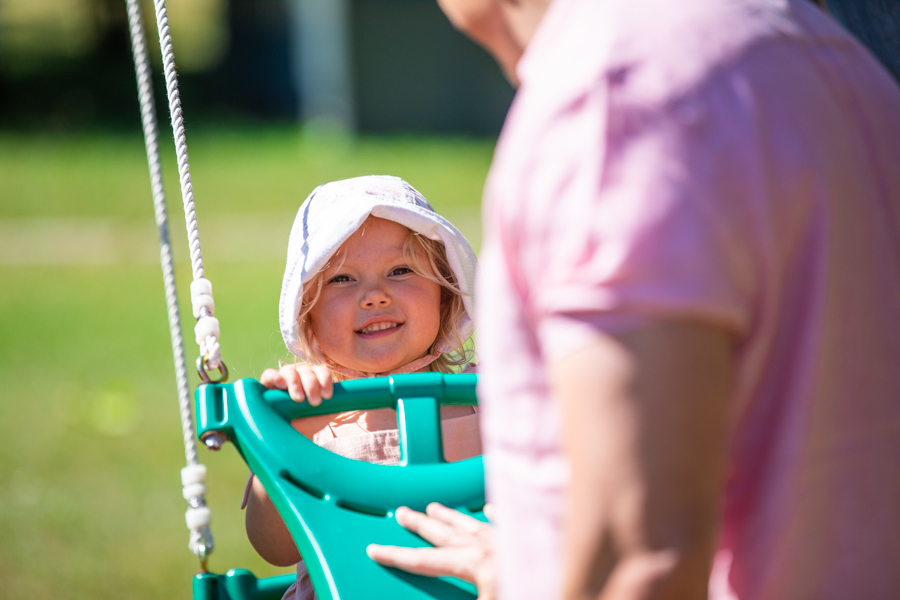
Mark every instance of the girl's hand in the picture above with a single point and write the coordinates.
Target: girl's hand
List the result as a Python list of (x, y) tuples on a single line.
[(301, 381)]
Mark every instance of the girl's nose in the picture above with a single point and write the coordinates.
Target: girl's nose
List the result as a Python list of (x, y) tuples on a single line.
[(375, 296)]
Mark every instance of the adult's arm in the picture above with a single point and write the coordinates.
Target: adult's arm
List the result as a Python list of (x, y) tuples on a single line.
[(646, 417)]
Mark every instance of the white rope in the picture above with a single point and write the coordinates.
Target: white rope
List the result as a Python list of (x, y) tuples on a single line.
[(194, 475), (209, 345)]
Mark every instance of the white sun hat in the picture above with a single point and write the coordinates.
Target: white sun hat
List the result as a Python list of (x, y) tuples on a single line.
[(334, 211)]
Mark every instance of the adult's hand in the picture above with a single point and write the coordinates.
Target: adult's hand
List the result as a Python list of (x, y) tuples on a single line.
[(463, 547)]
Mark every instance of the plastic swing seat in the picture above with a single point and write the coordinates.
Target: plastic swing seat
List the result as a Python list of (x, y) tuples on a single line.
[(335, 506)]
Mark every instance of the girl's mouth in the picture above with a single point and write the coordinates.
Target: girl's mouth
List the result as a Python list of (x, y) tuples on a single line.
[(378, 329)]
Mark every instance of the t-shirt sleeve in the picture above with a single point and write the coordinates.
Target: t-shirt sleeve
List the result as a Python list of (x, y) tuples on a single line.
[(657, 223)]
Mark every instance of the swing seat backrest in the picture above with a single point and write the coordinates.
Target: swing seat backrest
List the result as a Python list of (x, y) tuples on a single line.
[(334, 506)]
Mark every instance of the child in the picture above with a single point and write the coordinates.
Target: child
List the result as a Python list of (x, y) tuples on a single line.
[(376, 283)]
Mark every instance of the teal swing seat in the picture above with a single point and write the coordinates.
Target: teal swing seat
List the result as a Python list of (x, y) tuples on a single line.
[(335, 506)]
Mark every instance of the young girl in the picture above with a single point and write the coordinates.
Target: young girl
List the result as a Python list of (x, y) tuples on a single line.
[(376, 284)]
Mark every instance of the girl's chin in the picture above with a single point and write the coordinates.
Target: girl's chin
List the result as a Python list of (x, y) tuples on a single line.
[(379, 366), (378, 362)]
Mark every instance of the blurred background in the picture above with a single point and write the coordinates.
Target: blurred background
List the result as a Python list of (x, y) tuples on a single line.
[(279, 96), (373, 66)]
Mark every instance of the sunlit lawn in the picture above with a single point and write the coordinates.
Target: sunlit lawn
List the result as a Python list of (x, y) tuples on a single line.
[(90, 443)]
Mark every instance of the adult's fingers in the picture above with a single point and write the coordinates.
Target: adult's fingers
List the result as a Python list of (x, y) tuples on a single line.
[(430, 529), (311, 385), (272, 379), (325, 380), (490, 511), (433, 562), (454, 519)]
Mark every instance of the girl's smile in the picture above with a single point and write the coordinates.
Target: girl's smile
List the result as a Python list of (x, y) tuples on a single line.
[(378, 328), (374, 313)]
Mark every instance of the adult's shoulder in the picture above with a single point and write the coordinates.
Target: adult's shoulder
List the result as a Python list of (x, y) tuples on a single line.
[(650, 52)]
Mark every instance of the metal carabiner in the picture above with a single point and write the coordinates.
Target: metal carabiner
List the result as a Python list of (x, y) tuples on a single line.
[(204, 374)]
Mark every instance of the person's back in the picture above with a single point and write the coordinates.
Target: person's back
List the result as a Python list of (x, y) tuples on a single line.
[(813, 507), (736, 162)]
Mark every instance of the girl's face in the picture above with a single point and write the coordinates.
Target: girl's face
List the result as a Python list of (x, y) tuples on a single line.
[(374, 313)]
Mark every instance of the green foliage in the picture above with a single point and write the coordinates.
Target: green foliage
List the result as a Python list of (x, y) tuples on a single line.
[(90, 440)]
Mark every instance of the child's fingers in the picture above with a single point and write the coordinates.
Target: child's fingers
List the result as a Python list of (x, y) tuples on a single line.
[(310, 385), (325, 380), (272, 379), (294, 385)]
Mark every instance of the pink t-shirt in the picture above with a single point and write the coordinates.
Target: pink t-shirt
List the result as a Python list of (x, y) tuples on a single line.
[(736, 162)]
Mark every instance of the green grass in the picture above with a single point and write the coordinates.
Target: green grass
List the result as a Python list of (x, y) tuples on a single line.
[(233, 172), (90, 443)]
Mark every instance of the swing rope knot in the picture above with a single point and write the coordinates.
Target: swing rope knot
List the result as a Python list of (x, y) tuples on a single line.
[(198, 515), (201, 297)]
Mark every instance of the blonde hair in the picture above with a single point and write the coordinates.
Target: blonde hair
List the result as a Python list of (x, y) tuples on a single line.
[(427, 258)]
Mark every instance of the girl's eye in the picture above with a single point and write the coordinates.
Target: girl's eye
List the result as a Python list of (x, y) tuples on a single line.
[(401, 271), (339, 279)]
